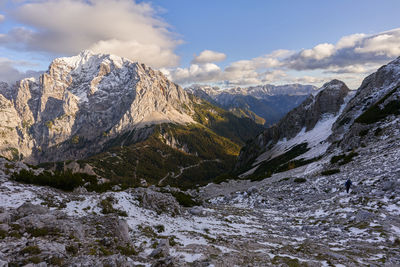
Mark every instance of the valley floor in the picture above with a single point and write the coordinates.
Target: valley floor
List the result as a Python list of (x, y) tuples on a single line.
[(278, 221)]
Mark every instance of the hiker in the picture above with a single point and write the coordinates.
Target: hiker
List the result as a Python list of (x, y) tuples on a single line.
[(347, 184)]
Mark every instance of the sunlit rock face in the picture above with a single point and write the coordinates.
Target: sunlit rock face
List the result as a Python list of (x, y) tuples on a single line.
[(88, 98)]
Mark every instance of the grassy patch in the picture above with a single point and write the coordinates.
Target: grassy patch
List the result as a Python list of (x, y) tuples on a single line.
[(127, 250), (330, 172), (363, 132), (375, 113), (66, 181), (281, 163), (300, 180), (44, 231), (184, 199), (160, 228), (107, 207), (31, 250), (343, 158)]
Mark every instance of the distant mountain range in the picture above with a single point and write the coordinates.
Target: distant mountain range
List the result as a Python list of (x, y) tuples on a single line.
[(265, 104)]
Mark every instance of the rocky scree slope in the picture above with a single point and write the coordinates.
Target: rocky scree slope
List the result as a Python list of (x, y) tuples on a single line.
[(303, 129), (265, 104)]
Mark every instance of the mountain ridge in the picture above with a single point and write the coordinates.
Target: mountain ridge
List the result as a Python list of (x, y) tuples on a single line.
[(352, 123)]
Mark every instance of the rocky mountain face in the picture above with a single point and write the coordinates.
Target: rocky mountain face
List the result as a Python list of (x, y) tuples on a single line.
[(370, 111), (322, 106), (86, 99), (265, 104)]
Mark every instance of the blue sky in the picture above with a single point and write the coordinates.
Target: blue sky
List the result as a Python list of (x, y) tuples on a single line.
[(247, 29), (226, 43)]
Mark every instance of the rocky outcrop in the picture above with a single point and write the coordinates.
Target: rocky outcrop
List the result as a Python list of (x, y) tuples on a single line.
[(83, 101), (379, 88)]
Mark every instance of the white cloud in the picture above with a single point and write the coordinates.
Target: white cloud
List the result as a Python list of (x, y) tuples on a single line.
[(121, 27), (273, 76), (387, 44), (319, 52), (208, 56), (350, 40), (355, 49), (243, 72), (2, 18), (208, 72), (309, 80), (351, 59)]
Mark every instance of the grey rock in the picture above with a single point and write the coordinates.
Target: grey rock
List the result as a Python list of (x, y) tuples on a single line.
[(116, 188), (122, 230), (3, 263), (166, 262), (162, 249), (28, 208), (252, 190), (197, 211), (363, 216), (4, 227), (157, 201), (80, 190), (389, 185), (5, 217)]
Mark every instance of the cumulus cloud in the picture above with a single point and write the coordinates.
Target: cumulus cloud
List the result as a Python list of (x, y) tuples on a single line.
[(121, 27), (356, 49), (208, 56), (319, 52), (273, 76), (9, 73), (351, 59), (241, 72), (208, 72)]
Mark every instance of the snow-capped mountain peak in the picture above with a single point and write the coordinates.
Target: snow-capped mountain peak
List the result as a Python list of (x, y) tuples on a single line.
[(91, 95)]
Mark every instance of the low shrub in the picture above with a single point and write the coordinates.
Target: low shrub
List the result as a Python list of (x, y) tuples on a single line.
[(184, 199), (66, 181), (330, 172), (300, 180)]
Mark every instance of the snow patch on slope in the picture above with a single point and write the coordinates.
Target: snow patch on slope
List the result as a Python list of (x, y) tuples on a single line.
[(315, 138)]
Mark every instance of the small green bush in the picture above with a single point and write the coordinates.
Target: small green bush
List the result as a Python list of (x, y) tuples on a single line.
[(378, 131), (160, 228), (3, 234), (31, 250), (66, 181), (107, 207), (300, 180), (72, 249), (127, 251), (363, 132), (330, 172), (343, 158), (375, 113), (45, 231), (184, 199)]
